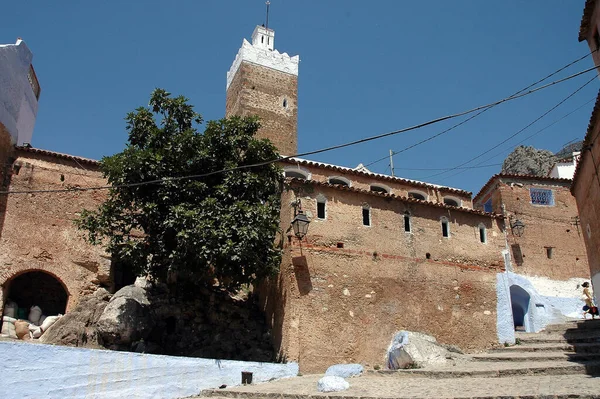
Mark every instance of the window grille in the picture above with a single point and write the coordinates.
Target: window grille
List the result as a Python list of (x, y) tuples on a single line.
[(541, 196), (487, 207)]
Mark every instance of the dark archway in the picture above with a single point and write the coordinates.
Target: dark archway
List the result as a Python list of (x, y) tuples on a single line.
[(519, 299), (39, 289)]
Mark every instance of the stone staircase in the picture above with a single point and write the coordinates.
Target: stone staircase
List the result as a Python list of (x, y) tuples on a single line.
[(562, 361)]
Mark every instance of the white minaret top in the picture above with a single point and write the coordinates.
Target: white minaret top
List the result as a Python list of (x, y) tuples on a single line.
[(262, 52), (263, 38)]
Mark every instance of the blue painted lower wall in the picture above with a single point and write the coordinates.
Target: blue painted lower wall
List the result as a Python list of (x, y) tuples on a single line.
[(46, 371)]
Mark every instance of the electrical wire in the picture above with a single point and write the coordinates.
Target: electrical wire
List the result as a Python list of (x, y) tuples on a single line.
[(482, 111), (518, 132), (338, 146)]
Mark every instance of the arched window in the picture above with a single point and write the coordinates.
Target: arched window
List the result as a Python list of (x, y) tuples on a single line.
[(407, 226), (417, 195), (451, 201), (285, 103), (445, 227), (296, 173), (482, 233), (380, 188), (341, 181), (321, 206), (366, 215)]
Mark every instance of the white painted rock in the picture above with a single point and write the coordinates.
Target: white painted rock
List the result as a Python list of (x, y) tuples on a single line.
[(344, 370), (332, 383)]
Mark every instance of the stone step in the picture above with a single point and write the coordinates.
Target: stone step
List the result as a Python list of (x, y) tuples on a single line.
[(575, 325), (372, 387), (499, 369), (556, 338), (513, 356), (593, 347)]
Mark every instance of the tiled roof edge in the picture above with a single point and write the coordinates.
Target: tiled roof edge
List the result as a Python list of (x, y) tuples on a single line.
[(58, 155), (588, 11), (518, 176)]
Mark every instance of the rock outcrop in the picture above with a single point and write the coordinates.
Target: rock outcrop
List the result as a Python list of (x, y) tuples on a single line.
[(526, 160), (415, 350)]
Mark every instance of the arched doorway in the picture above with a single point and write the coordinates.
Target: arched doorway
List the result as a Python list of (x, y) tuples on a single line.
[(519, 299), (37, 288)]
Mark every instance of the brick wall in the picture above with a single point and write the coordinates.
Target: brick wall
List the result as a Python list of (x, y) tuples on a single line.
[(545, 227), (258, 90), (38, 232), (334, 305)]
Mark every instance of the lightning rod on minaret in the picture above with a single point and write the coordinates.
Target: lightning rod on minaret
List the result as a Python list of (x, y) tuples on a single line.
[(268, 3)]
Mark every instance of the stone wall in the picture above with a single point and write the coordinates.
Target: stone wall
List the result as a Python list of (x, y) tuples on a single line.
[(347, 288), (38, 232), (546, 227), (262, 91)]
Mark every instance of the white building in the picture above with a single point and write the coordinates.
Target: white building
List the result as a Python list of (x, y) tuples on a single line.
[(19, 91), (565, 168)]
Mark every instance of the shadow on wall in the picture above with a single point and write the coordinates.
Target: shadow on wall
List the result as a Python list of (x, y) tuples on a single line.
[(302, 274)]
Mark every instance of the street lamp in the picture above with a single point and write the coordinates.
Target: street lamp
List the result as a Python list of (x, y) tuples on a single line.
[(300, 224), (517, 227)]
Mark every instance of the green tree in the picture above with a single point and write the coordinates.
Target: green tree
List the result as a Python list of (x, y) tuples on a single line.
[(219, 226)]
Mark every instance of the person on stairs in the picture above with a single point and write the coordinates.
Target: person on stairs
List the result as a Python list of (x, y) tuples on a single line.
[(589, 301)]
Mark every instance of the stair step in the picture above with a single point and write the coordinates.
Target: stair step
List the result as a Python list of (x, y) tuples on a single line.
[(513, 356), (593, 347), (579, 325), (492, 369), (549, 338)]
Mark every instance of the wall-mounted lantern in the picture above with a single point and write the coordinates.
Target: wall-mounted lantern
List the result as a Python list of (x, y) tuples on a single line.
[(300, 222), (517, 227)]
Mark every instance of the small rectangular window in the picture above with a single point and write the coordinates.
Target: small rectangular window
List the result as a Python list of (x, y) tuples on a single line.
[(407, 223), (482, 234), (321, 210), (366, 213), (487, 207), (445, 228), (541, 196), (549, 252)]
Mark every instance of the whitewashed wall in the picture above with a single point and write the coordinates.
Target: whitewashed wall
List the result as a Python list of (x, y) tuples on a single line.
[(45, 371)]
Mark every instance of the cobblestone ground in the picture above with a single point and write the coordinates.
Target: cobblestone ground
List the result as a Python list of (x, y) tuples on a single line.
[(373, 386)]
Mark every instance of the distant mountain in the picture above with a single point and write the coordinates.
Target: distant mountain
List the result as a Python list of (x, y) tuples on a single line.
[(527, 160), (568, 149)]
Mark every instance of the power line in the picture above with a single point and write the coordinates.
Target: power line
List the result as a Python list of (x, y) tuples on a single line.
[(335, 147), (519, 131), (483, 110), (465, 167)]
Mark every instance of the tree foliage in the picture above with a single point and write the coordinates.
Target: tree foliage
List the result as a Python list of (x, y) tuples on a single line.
[(220, 226)]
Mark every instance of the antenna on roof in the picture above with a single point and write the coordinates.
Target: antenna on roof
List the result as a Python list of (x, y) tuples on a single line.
[(268, 3)]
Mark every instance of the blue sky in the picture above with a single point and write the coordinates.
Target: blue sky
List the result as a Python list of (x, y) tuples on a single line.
[(366, 68)]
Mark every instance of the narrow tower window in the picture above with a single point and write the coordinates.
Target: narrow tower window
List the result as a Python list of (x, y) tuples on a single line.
[(285, 103), (549, 252), (407, 222), (445, 227), (366, 215)]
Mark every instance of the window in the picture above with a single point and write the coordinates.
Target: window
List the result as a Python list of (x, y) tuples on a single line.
[(549, 252), (417, 195), (487, 207), (380, 188), (541, 196), (445, 227), (342, 181), (366, 215), (321, 201), (482, 234), (296, 173), (407, 222), (451, 201), (285, 103)]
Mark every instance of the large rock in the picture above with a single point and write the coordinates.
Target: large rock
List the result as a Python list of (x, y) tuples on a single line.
[(78, 327), (412, 349), (332, 383), (126, 319), (526, 160), (344, 370)]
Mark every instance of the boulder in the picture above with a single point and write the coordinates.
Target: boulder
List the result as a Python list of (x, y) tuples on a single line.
[(126, 319), (78, 327), (21, 328), (331, 383), (344, 370), (412, 349)]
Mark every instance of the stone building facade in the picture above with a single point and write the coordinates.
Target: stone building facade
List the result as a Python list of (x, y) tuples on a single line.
[(586, 182), (44, 259)]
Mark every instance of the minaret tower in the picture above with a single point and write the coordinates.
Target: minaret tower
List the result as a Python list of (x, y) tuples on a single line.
[(264, 82)]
